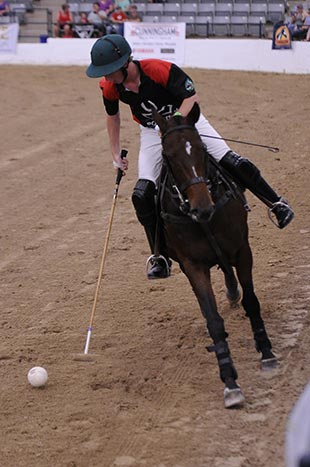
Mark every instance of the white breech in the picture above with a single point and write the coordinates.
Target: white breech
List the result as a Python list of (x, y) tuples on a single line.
[(150, 155)]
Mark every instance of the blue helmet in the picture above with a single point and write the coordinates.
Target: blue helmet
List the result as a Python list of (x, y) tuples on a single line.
[(108, 54)]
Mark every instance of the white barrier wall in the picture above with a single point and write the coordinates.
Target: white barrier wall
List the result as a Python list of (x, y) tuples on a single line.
[(216, 54)]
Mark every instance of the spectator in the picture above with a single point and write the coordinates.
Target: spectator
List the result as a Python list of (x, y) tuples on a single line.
[(118, 17), (64, 17), (299, 32), (107, 6), (67, 31), (4, 8), (306, 25), (123, 4), (83, 19), (133, 14), (97, 18)]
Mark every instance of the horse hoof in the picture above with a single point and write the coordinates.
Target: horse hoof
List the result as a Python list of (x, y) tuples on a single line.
[(233, 397), (269, 363)]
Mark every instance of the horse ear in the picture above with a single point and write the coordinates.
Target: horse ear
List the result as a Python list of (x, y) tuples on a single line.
[(194, 114), (160, 121)]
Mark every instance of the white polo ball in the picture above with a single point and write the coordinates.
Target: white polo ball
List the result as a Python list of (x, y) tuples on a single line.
[(37, 376)]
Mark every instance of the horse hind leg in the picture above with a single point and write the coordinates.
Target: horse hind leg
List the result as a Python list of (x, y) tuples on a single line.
[(233, 294), (251, 306)]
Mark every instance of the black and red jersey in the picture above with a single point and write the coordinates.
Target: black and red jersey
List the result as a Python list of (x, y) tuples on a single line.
[(163, 87)]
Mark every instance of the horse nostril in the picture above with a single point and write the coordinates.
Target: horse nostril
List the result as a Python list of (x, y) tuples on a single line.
[(199, 215)]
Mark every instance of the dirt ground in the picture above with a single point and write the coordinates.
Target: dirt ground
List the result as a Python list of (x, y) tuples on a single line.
[(152, 396)]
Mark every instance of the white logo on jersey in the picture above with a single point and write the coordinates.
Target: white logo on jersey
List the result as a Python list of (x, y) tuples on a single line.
[(166, 111)]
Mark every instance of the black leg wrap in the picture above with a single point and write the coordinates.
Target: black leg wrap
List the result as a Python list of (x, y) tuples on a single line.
[(227, 369), (247, 174), (143, 199), (262, 342)]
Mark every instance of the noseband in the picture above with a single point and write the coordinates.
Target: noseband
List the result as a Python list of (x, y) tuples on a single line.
[(194, 180)]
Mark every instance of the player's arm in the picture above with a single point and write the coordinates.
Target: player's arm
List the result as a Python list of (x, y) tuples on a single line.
[(113, 123), (188, 103)]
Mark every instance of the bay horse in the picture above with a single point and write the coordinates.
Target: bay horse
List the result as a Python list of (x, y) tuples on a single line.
[(204, 221)]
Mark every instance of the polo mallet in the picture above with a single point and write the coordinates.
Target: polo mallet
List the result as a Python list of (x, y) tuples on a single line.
[(248, 143), (85, 355)]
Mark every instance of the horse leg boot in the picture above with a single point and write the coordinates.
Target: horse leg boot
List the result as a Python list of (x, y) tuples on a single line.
[(247, 174), (232, 393), (263, 345), (143, 199)]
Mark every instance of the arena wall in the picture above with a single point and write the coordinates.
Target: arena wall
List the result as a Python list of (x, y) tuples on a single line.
[(216, 54)]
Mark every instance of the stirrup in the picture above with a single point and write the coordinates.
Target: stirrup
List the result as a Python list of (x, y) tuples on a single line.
[(153, 258)]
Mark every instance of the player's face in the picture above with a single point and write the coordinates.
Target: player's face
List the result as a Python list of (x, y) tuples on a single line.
[(117, 77)]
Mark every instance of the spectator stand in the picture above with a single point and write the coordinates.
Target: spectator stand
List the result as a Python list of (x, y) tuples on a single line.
[(208, 18)]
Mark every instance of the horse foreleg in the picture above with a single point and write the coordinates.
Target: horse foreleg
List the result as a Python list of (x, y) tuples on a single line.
[(201, 284), (232, 290), (251, 306)]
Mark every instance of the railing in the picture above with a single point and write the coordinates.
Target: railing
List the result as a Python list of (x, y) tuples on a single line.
[(35, 33)]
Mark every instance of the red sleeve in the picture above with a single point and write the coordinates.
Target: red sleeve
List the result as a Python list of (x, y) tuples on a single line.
[(109, 90), (110, 96)]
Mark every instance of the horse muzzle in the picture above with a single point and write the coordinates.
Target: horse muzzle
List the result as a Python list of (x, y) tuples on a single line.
[(202, 215)]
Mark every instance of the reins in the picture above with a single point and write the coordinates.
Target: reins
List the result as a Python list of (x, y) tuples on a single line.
[(192, 181), (230, 193)]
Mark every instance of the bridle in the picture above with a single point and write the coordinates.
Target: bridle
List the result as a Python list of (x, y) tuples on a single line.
[(193, 180)]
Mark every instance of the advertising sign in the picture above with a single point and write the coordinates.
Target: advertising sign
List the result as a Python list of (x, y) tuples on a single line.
[(281, 38), (8, 37), (157, 40)]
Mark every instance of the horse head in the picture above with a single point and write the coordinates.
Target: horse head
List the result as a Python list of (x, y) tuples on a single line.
[(187, 161)]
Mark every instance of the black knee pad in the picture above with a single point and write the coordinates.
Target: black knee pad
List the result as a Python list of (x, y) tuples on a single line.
[(243, 170), (143, 199)]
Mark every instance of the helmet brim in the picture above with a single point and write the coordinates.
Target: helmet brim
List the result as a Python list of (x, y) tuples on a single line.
[(93, 71)]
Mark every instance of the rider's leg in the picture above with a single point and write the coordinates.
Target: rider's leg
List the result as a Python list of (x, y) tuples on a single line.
[(248, 175), (149, 167), (245, 172), (143, 199)]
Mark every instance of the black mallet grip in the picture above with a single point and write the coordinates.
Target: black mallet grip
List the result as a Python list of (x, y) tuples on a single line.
[(119, 176)]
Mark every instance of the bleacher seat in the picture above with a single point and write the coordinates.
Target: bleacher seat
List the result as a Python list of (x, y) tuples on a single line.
[(75, 8), (258, 9), (275, 12), (256, 26), (203, 25), (154, 9), (241, 8), (168, 18), (172, 9), (189, 20), (239, 25), (142, 8), (85, 7), (19, 10), (206, 9), (189, 9), (221, 25), (151, 18), (223, 9)]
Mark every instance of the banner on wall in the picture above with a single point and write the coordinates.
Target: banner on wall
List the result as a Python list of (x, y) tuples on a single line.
[(157, 40), (8, 37), (282, 38)]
